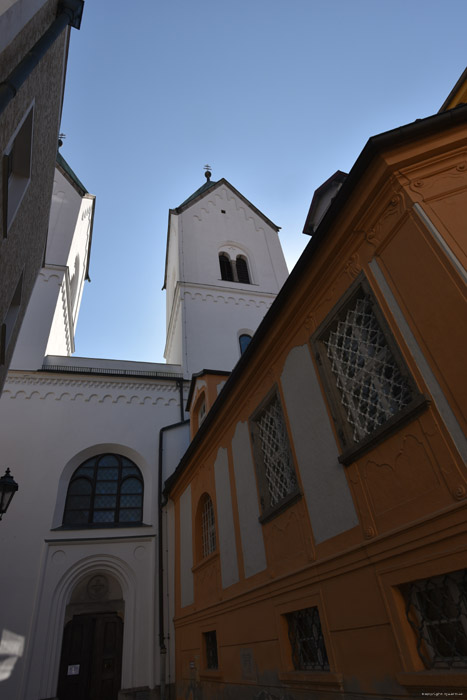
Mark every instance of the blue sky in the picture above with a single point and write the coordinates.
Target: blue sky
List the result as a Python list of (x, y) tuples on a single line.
[(275, 95)]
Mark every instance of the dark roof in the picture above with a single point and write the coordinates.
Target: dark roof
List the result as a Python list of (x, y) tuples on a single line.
[(454, 90), (72, 176), (207, 185), (329, 187), (404, 134)]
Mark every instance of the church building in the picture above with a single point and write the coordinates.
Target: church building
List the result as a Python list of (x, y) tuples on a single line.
[(279, 510), (90, 441)]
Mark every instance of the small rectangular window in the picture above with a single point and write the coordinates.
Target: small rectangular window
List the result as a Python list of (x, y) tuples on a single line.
[(273, 456), (210, 648), (307, 640), (436, 608)]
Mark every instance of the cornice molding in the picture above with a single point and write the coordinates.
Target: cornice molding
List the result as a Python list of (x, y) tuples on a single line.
[(32, 386)]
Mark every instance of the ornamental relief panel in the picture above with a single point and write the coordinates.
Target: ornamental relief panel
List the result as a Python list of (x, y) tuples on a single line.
[(443, 181), (403, 479)]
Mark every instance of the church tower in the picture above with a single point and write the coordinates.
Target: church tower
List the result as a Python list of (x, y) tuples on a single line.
[(224, 268)]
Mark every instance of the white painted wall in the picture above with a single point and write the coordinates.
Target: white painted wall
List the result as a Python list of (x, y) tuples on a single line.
[(205, 313), (52, 314), (49, 424)]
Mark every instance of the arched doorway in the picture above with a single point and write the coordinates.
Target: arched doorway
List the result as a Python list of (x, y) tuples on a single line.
[(91, 658)]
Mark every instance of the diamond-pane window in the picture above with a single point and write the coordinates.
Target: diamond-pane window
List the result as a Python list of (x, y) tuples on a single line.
[(370, 383), (105, 489), (363, 371), (307, 640), (272, 450), (437, 610)]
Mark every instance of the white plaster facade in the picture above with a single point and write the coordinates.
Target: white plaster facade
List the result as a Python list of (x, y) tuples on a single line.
[(205, 314), (57, 411)]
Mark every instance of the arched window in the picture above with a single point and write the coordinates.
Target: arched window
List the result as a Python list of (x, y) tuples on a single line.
[(105, 490), (243, 275), (208, 526), (244, 341), (226, 267)]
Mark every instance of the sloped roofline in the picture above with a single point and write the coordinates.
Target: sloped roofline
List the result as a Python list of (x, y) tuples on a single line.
[(189, 202), (457, 88), (402, 135)]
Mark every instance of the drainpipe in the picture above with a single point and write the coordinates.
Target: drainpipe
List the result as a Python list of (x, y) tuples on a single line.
[(162, 501), (69, 13)]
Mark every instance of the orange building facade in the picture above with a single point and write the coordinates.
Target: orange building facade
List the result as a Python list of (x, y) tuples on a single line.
[(320, 510)]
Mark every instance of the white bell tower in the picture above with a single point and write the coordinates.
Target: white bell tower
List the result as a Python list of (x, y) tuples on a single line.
[(224, 268)]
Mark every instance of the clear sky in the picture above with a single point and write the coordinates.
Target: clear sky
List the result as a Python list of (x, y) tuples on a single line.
[(276, 95)]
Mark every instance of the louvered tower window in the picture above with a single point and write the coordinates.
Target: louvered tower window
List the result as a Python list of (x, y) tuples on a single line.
[(243, 275), (226, 267)]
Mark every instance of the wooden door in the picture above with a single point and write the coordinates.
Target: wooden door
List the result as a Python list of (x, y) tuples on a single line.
[(91, 662)]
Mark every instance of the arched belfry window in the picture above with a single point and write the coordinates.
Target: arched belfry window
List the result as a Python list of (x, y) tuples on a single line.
[(105, 490), (243, 276), (244, 341), (226, 267)]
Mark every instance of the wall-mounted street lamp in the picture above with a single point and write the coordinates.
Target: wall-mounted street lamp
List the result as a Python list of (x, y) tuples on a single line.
[(8, 488)]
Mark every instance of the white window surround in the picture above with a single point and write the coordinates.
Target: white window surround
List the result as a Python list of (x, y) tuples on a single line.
[(17, 165)]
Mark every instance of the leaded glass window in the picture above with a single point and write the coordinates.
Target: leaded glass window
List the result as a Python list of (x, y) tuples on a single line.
[(208, 526), (307, 640), (437, 610), (273, 456), (105, 490), (362, 368)]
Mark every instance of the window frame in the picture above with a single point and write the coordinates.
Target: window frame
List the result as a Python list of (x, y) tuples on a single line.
[(91, 524), (351, 449), (17, 168), (244, 335), (267, 509), (330, 679), (225, 259), (245, 271)]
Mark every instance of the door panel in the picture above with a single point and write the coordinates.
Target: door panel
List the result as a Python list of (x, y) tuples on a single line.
[(91, 662)]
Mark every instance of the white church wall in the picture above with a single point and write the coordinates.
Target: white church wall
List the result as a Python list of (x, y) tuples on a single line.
[(50, 424), (206, 313), (209, 230), (213, 319), (50, 321)]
